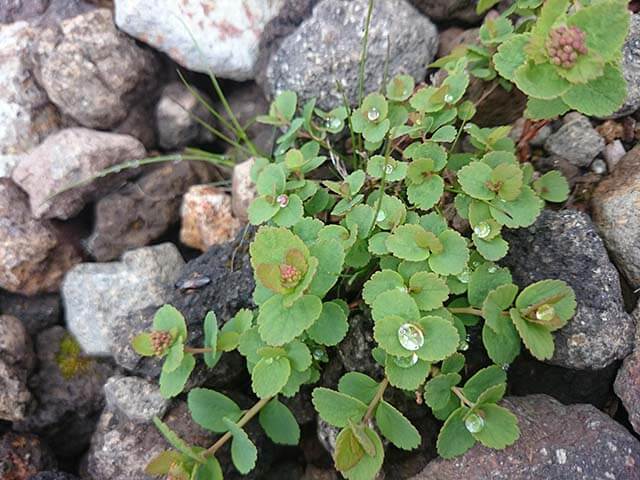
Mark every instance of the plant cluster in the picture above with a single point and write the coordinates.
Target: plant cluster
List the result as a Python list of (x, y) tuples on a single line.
[(369, 228)]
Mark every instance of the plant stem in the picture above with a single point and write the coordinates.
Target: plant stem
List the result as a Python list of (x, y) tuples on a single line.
[(363, 56), (248, 415), (460, 395), (198, 350), (376, 400), (468, 310), (383, 183)]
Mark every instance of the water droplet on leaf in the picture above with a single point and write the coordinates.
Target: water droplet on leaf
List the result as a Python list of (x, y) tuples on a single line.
[(388, 169), (406, 362), (545, 313), (482, 230), (464, 276), (381, 216), (410, 337), (448, 98), (373, 114), (474, 423), (282, 200), (269, 361)]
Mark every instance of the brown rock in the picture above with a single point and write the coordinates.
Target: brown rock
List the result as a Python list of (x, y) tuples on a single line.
[(23, 455), (207, 218), (243, 191), (616, 212), (16, 360), (627, 384), (32, 257)]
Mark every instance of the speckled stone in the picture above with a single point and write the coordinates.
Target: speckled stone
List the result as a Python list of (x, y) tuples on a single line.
[(576, 140), (137, 399)]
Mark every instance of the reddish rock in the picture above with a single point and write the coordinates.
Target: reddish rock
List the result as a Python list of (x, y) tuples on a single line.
[(243, 191)]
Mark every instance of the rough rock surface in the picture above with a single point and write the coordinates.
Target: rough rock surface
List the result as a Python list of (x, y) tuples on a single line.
[(14, 10), (355, 349), (23, 455), (243, 190), (576, 442), (53, 475), (448, 10), (136, 399), (26, 114), (207, 218), (627, 385), (69, 156), (326, 48), (201, 36), (16, 360), (565, 245), (36, 312), (94, 294), (176, 114), (142, 211), (68, 388), (616, 212), (93, 72), (33, 258), (631, 68), (576, 140)]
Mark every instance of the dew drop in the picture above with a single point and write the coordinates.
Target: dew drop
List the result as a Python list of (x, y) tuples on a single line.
[(406, 362), (464, 346), (333, 123), (448, 98), (545, 313), (505, 367), (318, 354), (269, 361), (474, 423), (381, 216), (410, 337), (388, 169), (492, 269), (482, 230), (373, 114), (282, 200), (464, 276)]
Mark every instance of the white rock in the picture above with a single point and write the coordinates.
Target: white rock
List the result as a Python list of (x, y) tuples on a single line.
[(200, 35), (243, 191)]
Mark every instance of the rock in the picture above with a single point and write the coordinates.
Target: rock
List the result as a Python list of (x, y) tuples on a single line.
[(207, 219), (93, 72), (627, 384), (142, 211), (33, 258), (69, 156), (576, 442), (53, 475), (355, 349), (631, 68), (613, 153), (68, 387), (138, 123), (176, 117), (26, 114), (23, 455), (15, 10), (60, 10), (16, 360), (598, 166), (136, 399), (96, 293), (576, 140), (454, 36), (326, 48), (616, 212), (120, 449), (564, 245), (201, 36), (327, 435), (7, 164), (243, 190), (247, 101), (36, 313), (448, 10)]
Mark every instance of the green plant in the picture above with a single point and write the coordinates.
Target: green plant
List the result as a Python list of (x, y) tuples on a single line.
[(369, 227), (70, 359)]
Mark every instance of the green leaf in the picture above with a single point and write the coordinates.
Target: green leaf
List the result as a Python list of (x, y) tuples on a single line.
[(444, 134), (331, 327), (441, 338), (407, 378), (209, 407), (279, 423), (396, 428), (272, 180), (210, 470), (176, 442), (210, 339), (331, 256), (492, 394), (400, 88), (437, 391), (348, 451), (485, 278), (272, 244), (521, 212), (428, 290), (174, 357), (368, 466), (337, 408), (285, 104), (278, 324), (143, 345), (393, 172), (552, 187), (474, 179), (162, 462), (243, 452), (500, 427), (394, 302), (262, 210), (172, 383), (168, 317), (599, 97), (454, 256), (492, 250), (406, 243), (358, 385), (484, 5), (552, 292), (453, 363), (537, 338), (299, 355), (540, 81), (496, 303), (269, 376), (538, 109), (494, 31), (380, 282), (426, 194), (362, 216), (377, 243), (509, 177), (454, 439), (249, 344), (511, 55), (482, 380), (291, 214), (503, 347)]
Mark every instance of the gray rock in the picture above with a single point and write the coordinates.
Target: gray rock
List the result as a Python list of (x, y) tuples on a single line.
[(616, 212), (176, 117), (565, 245), (576, 140), (138, 400), (36, 312), (575, 442), (139, 123), (7, 164), (69, 156), (91, 71), (613, 153), (96, 293), (15, 10), (68, 387), (327, 435), (23, 455), (631, 68), (53, 475), (16, 360), (33, 257), (26, 114), (142, 211), (448, 10), (326, 48), (627, 384), (355, 349)]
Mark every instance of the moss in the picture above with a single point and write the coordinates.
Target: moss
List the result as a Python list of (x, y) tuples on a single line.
[(70, 358)]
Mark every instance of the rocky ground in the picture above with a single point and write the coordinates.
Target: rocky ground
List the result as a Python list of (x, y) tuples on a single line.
[(86, 85)]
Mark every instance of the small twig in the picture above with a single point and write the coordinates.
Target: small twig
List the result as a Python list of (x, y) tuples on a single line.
[(460, 395), (198, 350)]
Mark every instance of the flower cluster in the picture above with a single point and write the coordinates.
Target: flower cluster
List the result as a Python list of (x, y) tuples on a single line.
[(565, 44)]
